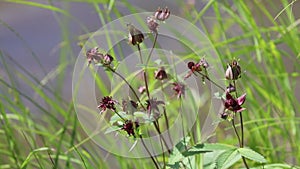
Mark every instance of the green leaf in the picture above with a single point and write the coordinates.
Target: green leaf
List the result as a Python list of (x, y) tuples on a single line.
[(277, 166), (252, 155), (204, 148), (228, 158), (177, 160), (28, 158), (112, 129), (38, 5), (116, 117)]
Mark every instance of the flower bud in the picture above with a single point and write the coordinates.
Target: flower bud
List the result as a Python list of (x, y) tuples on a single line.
[(233, 71), (230, 88), (107, 59), (161, 74), (135, 36)]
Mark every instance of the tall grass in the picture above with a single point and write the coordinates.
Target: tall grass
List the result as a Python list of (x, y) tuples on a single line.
[(44, 132)]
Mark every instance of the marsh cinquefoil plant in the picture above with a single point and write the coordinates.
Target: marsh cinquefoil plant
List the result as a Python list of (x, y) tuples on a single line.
[(124, 111)]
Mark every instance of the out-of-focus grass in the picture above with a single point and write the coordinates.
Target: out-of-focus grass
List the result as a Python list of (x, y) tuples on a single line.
[(250, 31)]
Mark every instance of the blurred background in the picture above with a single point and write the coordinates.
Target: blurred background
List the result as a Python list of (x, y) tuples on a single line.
[(39, 45)]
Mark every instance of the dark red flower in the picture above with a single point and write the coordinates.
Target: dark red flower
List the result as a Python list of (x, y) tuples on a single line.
[(179, 89), (161, 74), (196, 67), (130, 127), (107, 103), (233, 104)]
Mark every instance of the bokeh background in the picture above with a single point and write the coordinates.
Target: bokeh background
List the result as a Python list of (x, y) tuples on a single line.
[(42, 44)]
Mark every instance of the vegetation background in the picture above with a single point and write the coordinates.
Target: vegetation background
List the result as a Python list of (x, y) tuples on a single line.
[(39, 43)]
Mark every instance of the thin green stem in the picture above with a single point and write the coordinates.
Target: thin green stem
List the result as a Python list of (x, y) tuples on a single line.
[(120, 116), (150, 53)]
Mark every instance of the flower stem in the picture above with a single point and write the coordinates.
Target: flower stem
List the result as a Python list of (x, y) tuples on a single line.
[(241, 141), (131, 88), (165, 115), (150, 53), (167, 125), (145, 74), (162, 148), (152, 158), (120, 116), (183, 133), (235, 130), (242, 129), (160, 136), (206, 77)]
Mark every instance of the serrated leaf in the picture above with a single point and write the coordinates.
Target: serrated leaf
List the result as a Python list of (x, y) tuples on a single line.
[(252, 155), (228, 158)]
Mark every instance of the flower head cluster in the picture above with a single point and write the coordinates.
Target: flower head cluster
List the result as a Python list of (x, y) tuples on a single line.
[(232, 104), (107, 103), (97, 57), (130, 127)]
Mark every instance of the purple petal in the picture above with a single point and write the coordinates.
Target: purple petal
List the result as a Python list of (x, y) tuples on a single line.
[(241, 99), (240, 110)]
